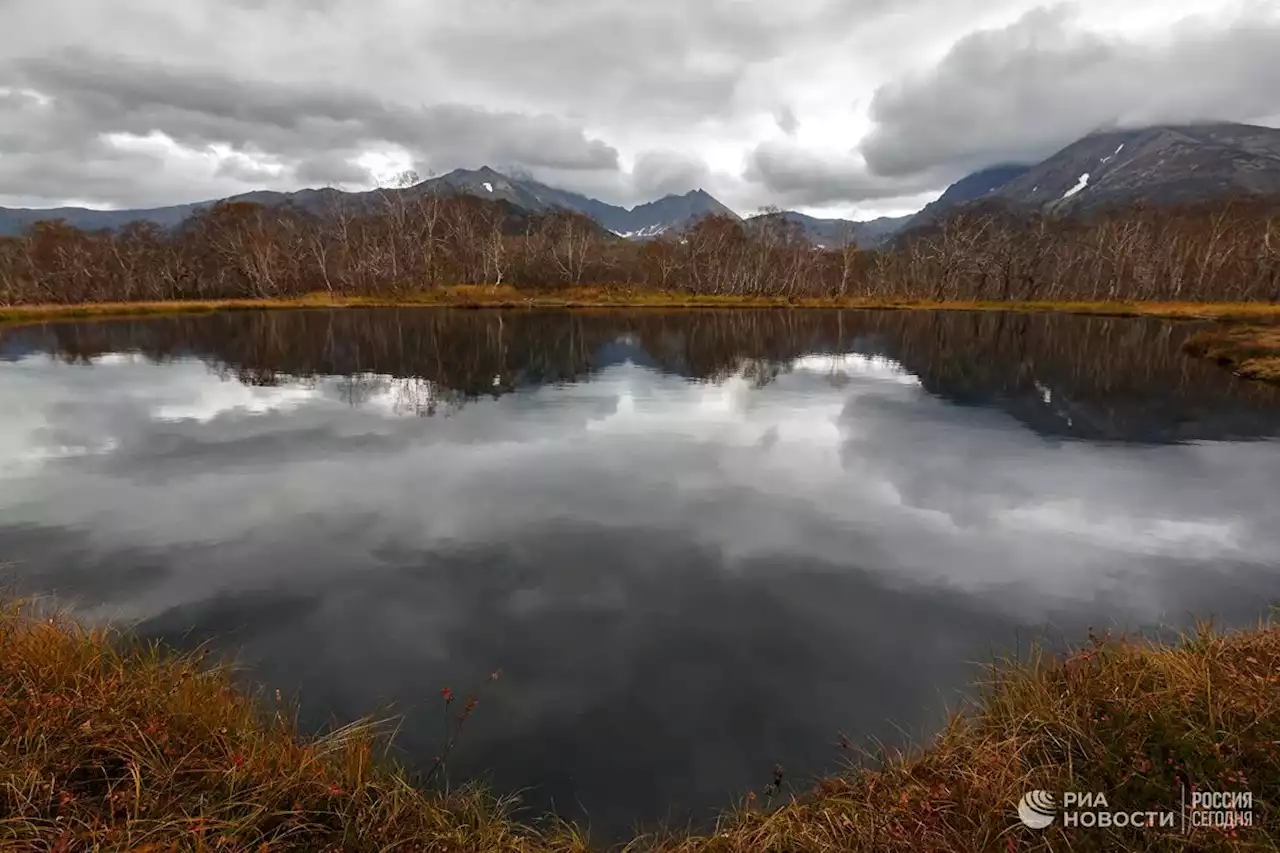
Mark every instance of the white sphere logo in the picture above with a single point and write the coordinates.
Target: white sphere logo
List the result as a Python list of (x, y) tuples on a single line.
[(1037, 809)]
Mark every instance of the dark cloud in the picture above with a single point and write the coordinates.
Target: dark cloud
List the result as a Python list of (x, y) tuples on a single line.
[(791, 175), (93, 94), (241, 168), (1024, 91), (331, 170), (623, 60), (787, 121), (196, 107), (94, 172), (658, 173)]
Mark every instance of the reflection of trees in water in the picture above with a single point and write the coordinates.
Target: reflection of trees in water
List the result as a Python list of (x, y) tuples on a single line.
[(1090, 376)]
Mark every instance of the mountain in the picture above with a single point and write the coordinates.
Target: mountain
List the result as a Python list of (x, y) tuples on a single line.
[(1159, 166), (669, 213), (834, 233), (979, 184), (828, 233), (874, 233), (491, 185), (970, 188), (15, 220), (1163, 165), (1166, 164), (879, 233)]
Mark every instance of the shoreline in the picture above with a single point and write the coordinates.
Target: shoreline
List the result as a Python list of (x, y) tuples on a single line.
[(109, 741), (1251, 352), (472, 297)]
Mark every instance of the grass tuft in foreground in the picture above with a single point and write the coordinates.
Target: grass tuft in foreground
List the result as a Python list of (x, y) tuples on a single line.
[(112, 745)]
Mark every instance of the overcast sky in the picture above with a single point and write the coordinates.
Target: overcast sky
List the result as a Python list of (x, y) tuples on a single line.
[(829, 106)]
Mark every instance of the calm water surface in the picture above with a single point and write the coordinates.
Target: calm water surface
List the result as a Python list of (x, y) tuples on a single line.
[(697, 545)]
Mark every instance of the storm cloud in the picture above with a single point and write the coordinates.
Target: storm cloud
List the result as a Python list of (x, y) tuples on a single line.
[(795, 176), (814, 104), (1020, 92)]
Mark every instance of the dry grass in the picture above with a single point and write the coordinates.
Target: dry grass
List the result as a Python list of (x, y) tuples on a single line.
[(485, 296), (109, 745), (112, 745), (1252, 352), (1129, 718)]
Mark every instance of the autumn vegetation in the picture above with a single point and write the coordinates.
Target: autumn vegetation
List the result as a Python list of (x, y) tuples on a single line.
[(1250, 351), (110, 744), (403, 244)]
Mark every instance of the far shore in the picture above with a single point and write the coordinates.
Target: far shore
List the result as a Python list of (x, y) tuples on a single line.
[(615, 297), (1249, 351)]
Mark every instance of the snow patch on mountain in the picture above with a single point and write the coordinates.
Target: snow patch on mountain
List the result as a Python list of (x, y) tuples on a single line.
[(1080, 184), (641, 233), (1113, 154)]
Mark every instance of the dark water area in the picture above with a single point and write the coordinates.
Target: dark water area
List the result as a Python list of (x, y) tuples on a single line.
[(697, 544)]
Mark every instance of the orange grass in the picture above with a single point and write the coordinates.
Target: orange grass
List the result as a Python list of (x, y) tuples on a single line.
[(603, 296), (108, 744), (1252, 352)]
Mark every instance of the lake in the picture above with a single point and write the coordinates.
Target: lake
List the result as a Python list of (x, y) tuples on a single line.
[(696, 544)]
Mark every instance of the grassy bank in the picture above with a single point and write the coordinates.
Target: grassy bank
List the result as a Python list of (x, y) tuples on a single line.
[(111, 745), (1250, 351), (485, 296)]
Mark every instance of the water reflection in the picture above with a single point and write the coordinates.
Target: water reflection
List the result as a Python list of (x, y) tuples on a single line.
[(697, 544), (1086, 377)]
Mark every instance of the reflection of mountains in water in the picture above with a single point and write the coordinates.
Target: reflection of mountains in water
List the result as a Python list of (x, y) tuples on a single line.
[(1084, 377)]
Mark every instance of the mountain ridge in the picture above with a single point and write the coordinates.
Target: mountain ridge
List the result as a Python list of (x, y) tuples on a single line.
[(1157, 164), (1160, 164), (641, 221)]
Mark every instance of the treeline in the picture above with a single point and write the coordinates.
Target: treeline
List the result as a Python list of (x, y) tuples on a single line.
[(405, 243)]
